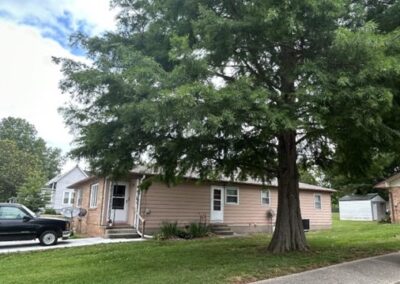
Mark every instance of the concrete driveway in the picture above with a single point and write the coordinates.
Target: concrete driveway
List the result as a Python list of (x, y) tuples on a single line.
[(375, 270), (25, 246)]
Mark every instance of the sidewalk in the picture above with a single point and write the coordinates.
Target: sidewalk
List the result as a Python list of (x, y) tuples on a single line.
[(375, 270), (25, 246)]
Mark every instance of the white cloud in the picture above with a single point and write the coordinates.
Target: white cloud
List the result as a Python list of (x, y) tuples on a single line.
[(29, 82), (95, 12), (28, 77)]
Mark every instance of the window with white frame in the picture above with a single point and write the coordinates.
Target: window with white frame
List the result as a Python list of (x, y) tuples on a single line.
[(232, 195), (317, 201), (93, 195), (265, 197), (68, 198)]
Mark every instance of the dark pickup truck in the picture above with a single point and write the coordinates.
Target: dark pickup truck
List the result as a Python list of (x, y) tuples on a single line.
[(18, 223)]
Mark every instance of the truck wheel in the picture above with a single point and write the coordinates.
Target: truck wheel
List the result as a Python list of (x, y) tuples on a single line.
[(48, 238)]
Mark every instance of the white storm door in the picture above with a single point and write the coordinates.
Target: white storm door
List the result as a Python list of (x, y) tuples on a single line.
[(217, 205), (119, 203)]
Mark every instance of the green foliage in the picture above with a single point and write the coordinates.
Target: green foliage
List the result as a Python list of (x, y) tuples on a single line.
[(224, 87), (198, 230), (24, 135), (31, 192), (280, 67), (49, 211), (25, 161), (14, 166), (215, 260), (170, 230)]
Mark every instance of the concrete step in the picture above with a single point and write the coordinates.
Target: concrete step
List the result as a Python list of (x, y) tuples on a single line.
[(219, 225), (221, 229), (122, 236), (121, 230), (223, 233)]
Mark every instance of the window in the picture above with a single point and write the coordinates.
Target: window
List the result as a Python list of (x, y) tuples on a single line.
[(265, 197), (69, 197), (93, 195), (317, 201), (232, 195), (66, 197), (11, 213), (79, 198)]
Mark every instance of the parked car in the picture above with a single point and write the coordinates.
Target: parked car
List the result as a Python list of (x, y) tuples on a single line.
[(17, 223)]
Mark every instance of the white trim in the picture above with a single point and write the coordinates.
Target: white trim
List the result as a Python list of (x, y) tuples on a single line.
[(93, 203), (320, 201), (214, 220), (126, 202), (269, 197), (226, 195), (71, 197)]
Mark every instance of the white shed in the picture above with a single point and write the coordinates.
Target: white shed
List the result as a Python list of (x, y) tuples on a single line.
[(370, 207)]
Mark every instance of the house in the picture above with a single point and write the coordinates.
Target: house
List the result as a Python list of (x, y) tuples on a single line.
[(242, 205), (392, 185), (60, 195), (370, 207)]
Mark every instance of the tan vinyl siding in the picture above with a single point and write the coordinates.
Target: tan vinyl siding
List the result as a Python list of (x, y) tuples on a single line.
[(187, 202), (319, 218), (250, 211), (184, 203)]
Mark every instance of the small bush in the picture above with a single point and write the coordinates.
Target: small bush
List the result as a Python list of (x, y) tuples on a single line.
[(169, 230), (198, 230), (193, 230), (50, 211)]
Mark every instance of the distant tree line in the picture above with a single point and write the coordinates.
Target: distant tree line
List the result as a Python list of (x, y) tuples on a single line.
[(26, 163)]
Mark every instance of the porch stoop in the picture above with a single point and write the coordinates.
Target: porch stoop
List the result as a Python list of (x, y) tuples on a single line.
[(221, 229), (121, 233)]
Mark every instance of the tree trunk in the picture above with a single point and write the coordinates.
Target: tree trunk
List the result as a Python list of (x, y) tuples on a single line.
[(289, 234)]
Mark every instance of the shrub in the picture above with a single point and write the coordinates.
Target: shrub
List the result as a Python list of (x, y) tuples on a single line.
[(193, 230), (50, 211), (198, 230), (169, 230)]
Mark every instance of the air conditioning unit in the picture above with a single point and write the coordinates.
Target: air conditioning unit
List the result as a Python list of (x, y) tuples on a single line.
[(306, 225)]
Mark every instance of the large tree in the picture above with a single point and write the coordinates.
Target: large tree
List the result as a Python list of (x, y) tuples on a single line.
[(25, 161), (26, 138), (14, 166), (239, 88)]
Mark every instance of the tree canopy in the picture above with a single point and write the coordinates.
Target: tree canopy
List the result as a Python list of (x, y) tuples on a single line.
[(240, 88), (25, 159)]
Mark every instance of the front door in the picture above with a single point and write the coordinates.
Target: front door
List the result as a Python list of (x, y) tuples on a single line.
[(119, 203), (374, 211), (217, 205)]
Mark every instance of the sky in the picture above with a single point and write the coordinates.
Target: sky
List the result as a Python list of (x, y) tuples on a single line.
[(32, 31)]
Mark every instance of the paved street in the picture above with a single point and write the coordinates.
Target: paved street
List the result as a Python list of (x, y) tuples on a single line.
[(25, 246), (375, 270)]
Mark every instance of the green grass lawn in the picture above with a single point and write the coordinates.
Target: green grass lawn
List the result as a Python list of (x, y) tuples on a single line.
[(234, 260)]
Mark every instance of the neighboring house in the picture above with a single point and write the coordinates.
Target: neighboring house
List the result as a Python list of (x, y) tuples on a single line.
[(370, 207), (243, 205), (392, 185), (60, 195)]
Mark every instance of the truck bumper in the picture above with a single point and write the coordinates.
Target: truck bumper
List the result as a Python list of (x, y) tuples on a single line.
[(66, 235)]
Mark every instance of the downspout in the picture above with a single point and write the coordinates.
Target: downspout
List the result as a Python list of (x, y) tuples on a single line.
[(139, 204), (103, 202)]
